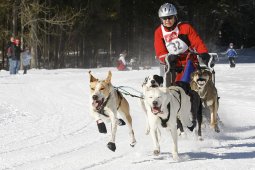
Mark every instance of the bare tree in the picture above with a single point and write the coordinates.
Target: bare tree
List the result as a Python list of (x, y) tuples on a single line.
[(38, 20)]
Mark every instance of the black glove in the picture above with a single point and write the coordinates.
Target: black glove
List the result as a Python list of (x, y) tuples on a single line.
[(205, 58), (171, 60), (172, 57)]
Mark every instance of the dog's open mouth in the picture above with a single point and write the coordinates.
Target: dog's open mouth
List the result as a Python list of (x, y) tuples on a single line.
[(201, 81), (156, 110), (97, 104), (154, 85)]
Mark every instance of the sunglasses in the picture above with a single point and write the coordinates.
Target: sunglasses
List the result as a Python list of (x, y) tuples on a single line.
[(168, 17)]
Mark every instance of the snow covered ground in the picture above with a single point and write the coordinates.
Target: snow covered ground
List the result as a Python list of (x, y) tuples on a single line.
[(45, 124)]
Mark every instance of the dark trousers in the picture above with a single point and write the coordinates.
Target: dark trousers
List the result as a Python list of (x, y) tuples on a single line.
[(25, 69)]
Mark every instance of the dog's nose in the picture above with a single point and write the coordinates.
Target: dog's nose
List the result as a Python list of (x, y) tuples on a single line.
[(94, 97), (155, 103), (153, 82)]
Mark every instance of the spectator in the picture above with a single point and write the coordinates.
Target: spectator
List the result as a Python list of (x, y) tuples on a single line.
[(26, 58), (122, 64), (15, 63), (232, 54), (10, 52)]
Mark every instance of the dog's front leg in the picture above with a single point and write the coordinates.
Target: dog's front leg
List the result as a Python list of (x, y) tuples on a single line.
[(114, 121), (173, 129), (100, 124), (154, 134)]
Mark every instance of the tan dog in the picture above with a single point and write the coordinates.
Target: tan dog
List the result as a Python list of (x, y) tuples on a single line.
[(201, 81), (106, 102)]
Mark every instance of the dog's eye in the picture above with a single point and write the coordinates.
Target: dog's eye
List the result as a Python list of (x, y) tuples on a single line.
[(92, 88), (102, 88)]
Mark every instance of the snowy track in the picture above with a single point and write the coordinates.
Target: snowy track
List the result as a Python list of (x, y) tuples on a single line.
[(45, 124)]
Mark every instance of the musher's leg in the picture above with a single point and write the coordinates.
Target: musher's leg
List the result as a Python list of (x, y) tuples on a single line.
[(170, 73)]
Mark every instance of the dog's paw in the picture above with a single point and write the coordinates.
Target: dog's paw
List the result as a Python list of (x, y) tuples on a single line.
[(176, 157), (121, 122), (156, 152), (217, 129), (133, 144), (101, 127), (191, 128), (147, 130), (200, 138), (111, 146)]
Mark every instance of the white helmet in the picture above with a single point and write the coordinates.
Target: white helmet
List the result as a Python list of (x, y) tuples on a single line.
[(167, 10)]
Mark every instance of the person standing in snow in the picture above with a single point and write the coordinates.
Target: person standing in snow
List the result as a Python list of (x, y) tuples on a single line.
[(122, 64), (232, 54), (26, 57), (175, 43), (16, 57), (11, 53)]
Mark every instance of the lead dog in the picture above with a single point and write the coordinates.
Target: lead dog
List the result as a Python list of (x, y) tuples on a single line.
[(201, 81), (163, 107), (106, 102)]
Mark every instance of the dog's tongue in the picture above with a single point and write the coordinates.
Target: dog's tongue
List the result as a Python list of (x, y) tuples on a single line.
[(155, 110), (97, 103)]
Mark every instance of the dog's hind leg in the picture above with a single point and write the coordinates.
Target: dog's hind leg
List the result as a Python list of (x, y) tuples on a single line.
[(179, 126), (124, 111), (214, 123), (199, 120)]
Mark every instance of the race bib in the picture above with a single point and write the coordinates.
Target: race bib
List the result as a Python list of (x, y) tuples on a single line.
[(176, 46)]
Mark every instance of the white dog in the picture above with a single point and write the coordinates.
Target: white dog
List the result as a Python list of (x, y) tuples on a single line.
[(106, 102), (163, 108), (153, 81)]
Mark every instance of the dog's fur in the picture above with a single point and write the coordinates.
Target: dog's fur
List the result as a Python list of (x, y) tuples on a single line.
[(201, 81), (106, 102), (163, 107)]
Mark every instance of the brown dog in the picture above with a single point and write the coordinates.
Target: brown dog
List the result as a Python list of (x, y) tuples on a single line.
[(106, 102), (201, 81)]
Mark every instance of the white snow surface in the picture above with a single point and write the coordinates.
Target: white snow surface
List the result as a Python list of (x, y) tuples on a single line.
[(45, 124)]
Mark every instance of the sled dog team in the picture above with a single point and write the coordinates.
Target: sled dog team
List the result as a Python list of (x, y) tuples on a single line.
[(169, 108)]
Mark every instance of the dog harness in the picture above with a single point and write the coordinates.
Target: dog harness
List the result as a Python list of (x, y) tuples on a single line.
[(164, 121), (101, 111)]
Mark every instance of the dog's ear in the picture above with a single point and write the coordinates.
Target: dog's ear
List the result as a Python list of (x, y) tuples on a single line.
[(92, 78), (159, 79), (209, 74), (192, 76), (109, 77)]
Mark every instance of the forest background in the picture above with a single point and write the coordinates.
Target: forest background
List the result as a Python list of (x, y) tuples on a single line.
[(92, 33)]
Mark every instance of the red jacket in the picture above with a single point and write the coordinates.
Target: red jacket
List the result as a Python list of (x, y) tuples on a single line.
[(187, 33)]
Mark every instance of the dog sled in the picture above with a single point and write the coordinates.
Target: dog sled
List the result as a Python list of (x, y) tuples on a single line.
[(170, 75)]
